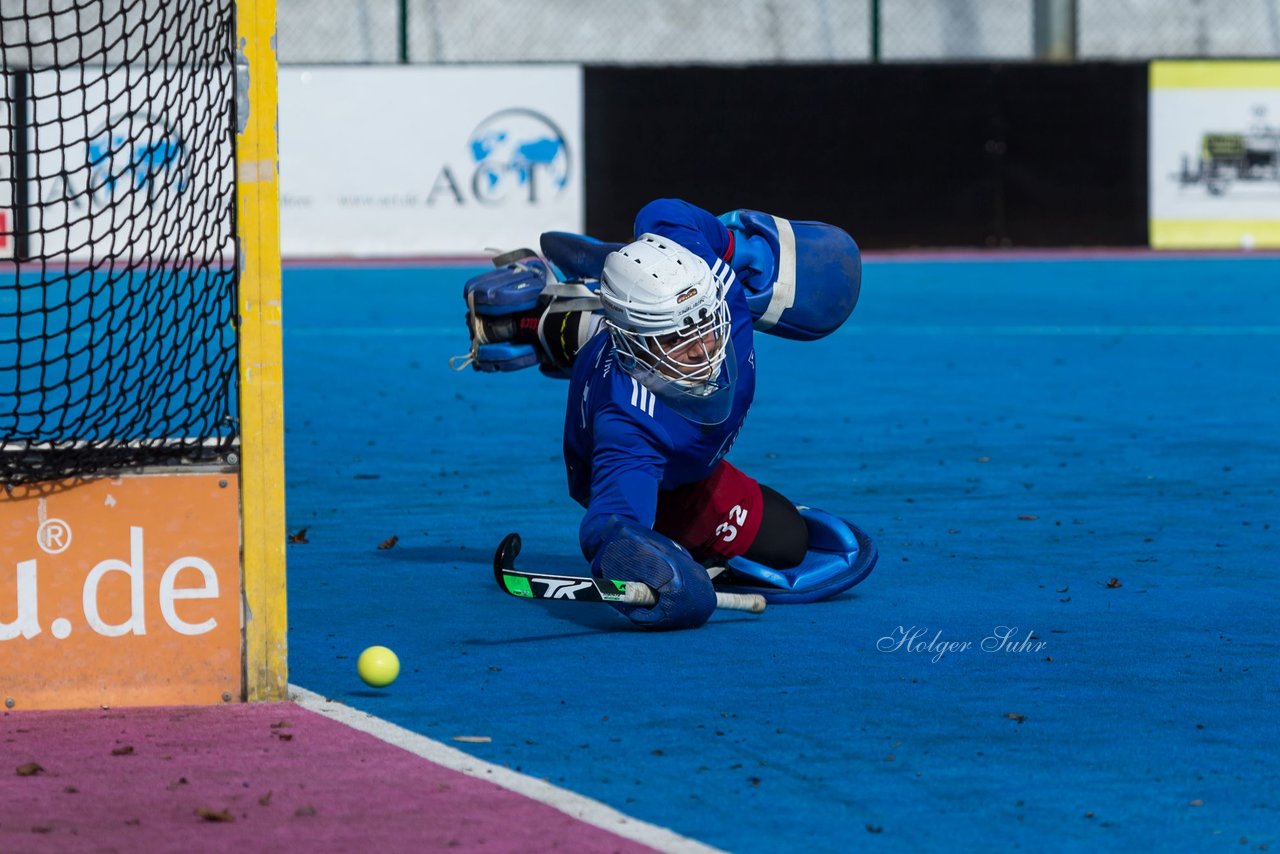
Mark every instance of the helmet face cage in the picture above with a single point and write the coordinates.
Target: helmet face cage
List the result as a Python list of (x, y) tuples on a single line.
[(691, 354), (668, 319)]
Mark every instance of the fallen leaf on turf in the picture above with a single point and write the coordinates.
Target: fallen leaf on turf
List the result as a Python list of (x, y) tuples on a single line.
[(214, 815), (874, 828), (265, 800), (283, 736), (1114, 583), (1027, 517), (126, 750), (473, 739), (133, 822), (1196, 803), (1064, 590), (30, 769), (300, 537), (1014, 716), (389, 543), (281, 725), (71, 790), (304, 811), (984, 459)]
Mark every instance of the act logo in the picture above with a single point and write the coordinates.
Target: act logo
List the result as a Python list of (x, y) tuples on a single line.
[(518, 153), (518, 156), (135, 152), (133, 156)]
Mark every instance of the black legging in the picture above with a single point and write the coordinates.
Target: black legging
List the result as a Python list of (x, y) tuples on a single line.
[(783, 538)]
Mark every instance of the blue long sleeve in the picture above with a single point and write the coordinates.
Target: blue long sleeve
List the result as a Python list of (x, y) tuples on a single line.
[(689, 225)]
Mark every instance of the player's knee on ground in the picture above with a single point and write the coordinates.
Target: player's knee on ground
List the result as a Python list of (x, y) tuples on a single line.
[(783, 539)]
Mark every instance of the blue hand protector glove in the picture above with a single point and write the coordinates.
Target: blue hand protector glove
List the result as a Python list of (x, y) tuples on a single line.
[(632, 552)]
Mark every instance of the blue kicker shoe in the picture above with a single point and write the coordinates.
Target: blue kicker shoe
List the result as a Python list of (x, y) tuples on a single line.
[(840, 555), (511, 290)]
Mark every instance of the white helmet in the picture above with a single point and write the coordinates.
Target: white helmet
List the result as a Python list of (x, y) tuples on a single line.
[(669, 319)]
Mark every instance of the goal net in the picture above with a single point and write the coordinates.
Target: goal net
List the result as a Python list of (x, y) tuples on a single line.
[(117, 234)]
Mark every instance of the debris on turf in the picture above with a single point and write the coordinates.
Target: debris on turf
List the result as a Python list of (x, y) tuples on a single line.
[(1015, 717), (473, 739), (389, 543), (214, 815), (124, 750), (1114, 583), (1027, 517)]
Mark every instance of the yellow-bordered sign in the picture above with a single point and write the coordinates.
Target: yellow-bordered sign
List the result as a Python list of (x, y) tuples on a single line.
[(1214, 154)]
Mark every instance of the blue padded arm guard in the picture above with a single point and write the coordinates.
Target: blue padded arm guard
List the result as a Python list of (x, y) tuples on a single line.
[(632, 552), (802, 278), (840, 556)]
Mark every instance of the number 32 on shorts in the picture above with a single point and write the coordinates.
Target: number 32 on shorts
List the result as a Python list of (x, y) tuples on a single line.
[(728, 530)]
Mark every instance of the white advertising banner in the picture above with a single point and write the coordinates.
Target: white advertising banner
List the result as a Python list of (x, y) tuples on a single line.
[(130, 162), (414, 161), (1214, 154)]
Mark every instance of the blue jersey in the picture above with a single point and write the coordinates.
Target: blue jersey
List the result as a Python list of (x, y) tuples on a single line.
[(622, 443)]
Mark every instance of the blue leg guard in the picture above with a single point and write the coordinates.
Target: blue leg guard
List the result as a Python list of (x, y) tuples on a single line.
[(840, 556), (576, 255), (512, 290), (632, 552)]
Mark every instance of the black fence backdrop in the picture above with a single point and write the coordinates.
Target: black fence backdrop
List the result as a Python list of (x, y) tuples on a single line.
[(928, 155)]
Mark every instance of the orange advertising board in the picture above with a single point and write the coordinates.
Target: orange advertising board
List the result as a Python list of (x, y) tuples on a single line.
[(120, 592)]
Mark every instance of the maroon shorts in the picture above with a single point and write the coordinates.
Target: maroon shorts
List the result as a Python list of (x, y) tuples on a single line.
[(716, 518)]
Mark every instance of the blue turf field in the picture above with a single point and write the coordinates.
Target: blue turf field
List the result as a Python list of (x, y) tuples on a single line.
[(1014, 434)]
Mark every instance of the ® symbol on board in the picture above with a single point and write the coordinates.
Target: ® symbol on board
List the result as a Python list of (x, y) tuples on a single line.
[(53, 536)]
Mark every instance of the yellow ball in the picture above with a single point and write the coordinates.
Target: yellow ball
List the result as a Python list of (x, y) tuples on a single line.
[(378, 666)]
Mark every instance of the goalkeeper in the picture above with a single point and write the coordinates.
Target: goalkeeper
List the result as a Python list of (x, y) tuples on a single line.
[(656, 338)]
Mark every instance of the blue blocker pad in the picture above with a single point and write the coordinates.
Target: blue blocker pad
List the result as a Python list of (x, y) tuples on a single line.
[(576, 255), (802, 278), (840, 555)]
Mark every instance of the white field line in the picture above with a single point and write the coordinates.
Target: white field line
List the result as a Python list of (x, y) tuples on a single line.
[(572, 804)]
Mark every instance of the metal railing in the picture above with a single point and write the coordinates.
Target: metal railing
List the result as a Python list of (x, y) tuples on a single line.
[(771, 31)]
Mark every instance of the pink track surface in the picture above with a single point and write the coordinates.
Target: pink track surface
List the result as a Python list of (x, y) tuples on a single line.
[(290, 779)]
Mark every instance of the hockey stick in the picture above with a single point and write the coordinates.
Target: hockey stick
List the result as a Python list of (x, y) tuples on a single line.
[(541, 585)]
